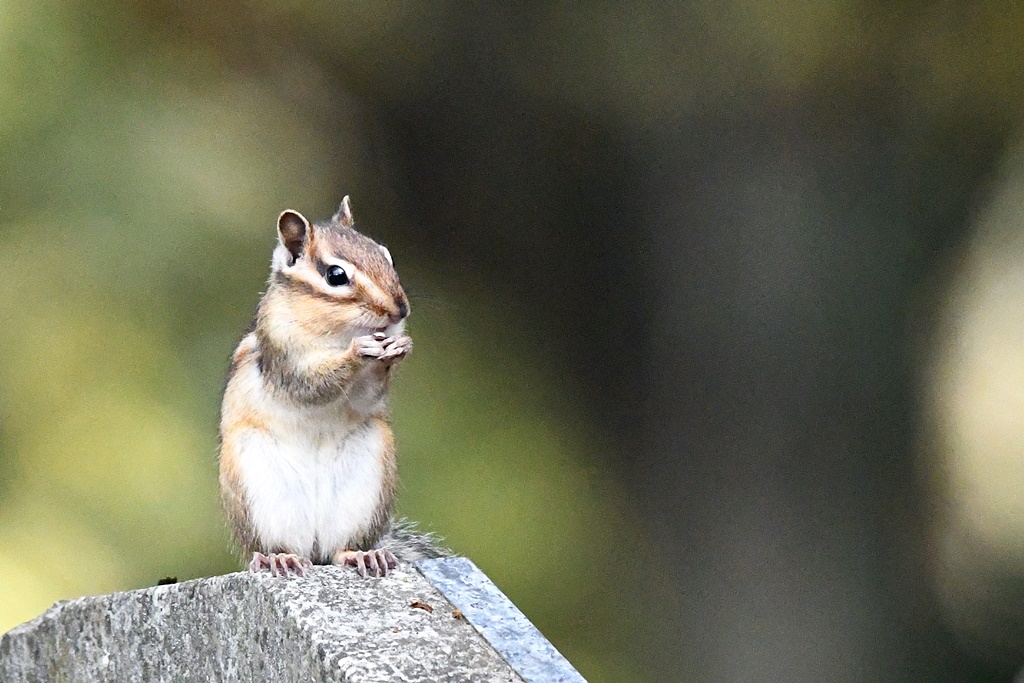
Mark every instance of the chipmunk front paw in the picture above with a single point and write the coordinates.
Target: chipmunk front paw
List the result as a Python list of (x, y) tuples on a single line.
[(382, 347), (396, 348)]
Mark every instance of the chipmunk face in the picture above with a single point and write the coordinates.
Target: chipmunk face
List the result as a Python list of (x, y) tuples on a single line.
[(332, 280)]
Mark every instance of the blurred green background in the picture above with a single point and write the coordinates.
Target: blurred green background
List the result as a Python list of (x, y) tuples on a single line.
[(717, 306)]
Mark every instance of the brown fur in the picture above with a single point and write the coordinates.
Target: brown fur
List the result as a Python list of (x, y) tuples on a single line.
[(232, 498), (234, 420)]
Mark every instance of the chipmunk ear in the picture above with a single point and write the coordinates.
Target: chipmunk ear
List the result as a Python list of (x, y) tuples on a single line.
[(344, 214), (294, 231)]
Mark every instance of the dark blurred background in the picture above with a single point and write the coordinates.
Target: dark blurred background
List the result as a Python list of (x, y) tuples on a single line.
[(719, 365)]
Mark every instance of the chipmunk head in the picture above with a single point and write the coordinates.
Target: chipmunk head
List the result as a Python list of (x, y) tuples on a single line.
[(333, 280)]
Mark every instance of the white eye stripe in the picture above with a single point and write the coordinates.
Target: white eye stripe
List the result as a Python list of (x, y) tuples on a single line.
[(387, 255), (342, 263)]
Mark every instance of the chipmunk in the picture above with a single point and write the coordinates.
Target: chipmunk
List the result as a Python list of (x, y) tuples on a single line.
[(307, 455)]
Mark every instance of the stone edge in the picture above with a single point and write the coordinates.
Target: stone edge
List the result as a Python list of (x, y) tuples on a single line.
[(498, 621)]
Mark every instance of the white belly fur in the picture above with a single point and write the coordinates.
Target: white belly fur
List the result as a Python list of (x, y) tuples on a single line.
[(309, 488)]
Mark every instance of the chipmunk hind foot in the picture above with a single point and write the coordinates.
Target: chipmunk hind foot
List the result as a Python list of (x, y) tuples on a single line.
[(280, 564), (376, 562)]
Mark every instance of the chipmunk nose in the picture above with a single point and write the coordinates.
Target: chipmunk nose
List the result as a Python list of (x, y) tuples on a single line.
[(403, 309)]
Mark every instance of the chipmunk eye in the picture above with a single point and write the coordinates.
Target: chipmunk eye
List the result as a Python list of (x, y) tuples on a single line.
[(336, 276)]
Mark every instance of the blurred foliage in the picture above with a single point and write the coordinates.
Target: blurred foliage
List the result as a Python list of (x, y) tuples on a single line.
[(975, 401), (148, 145), (141, 180)]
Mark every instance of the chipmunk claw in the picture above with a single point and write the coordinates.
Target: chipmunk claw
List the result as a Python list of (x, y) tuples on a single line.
[(280, 564), (375, 562)]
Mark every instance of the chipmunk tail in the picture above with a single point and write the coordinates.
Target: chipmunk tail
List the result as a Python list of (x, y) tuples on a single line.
[(409, 544)]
